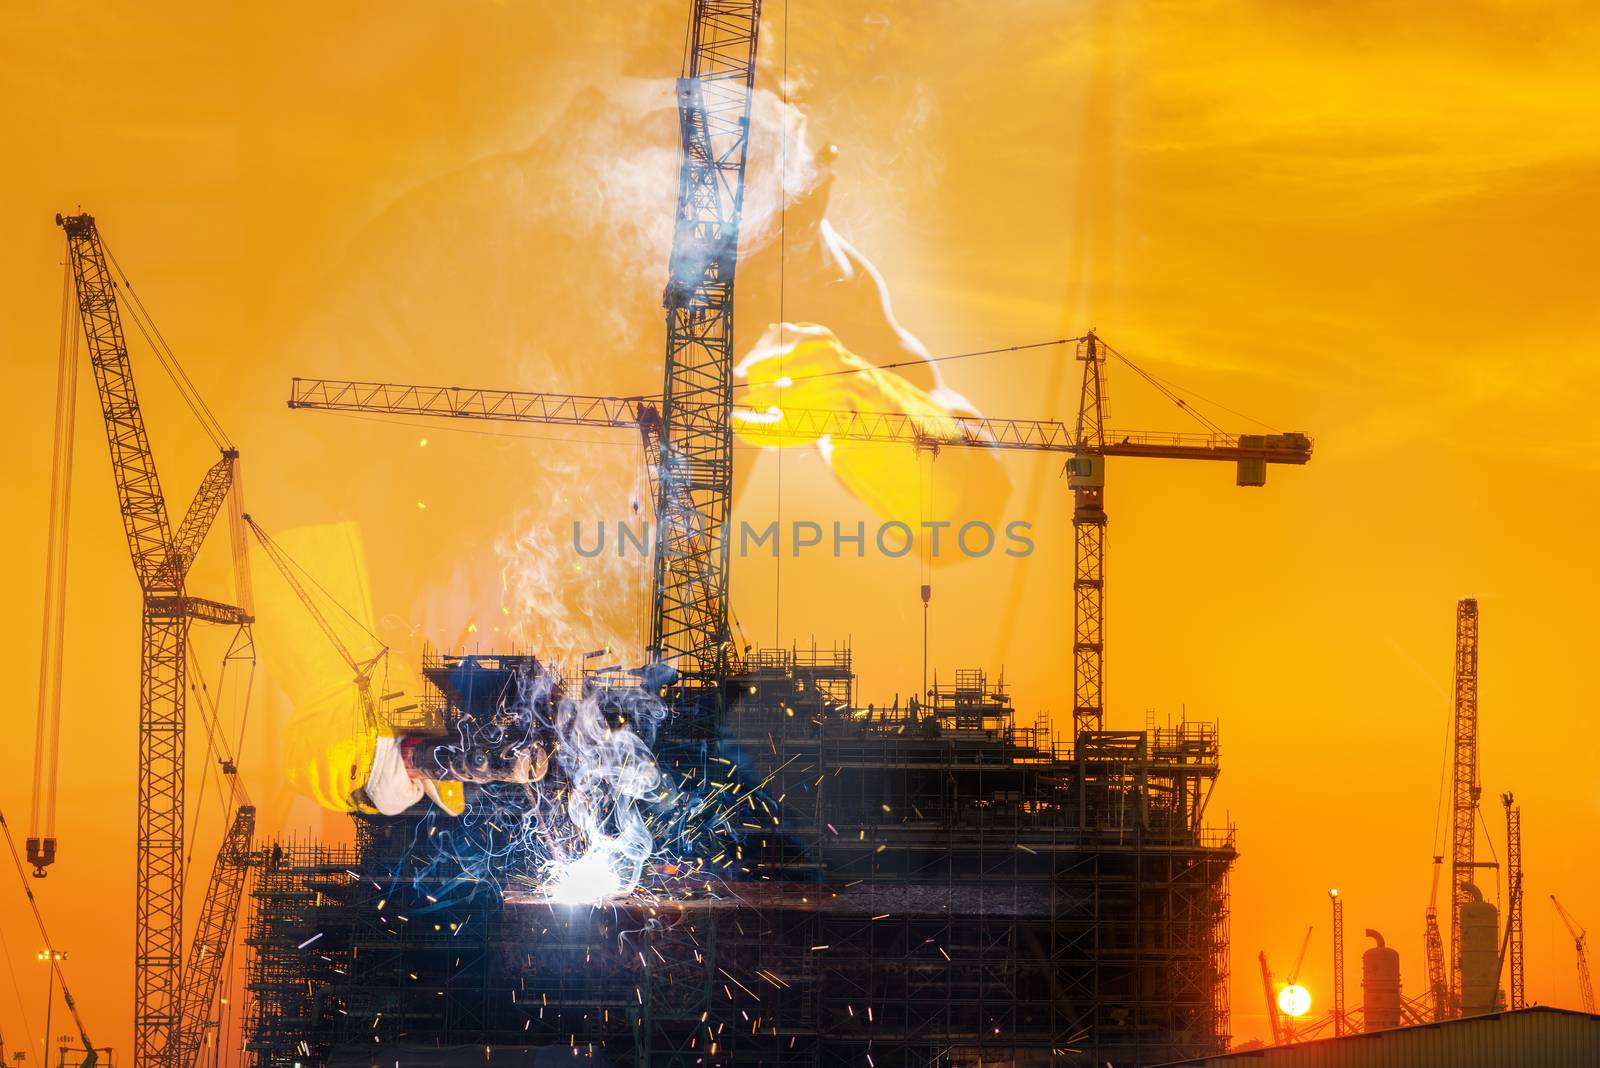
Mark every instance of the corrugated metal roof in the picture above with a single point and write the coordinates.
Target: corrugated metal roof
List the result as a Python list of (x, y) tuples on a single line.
[(1539, 1037)]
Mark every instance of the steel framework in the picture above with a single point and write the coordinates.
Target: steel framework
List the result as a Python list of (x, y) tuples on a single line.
[(1339, 1018), (940, 884), (1089, 555), (689, 617), (1514, 903), (213, 936), (1465, 790)]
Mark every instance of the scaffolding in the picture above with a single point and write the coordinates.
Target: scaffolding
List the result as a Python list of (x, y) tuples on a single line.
[(939, 885)]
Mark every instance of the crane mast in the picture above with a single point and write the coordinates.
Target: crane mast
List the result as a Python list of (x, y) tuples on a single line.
[(161, 559), (694, 483), (1087, 479), (1338, 963), (1513, 935), (1464, 790)]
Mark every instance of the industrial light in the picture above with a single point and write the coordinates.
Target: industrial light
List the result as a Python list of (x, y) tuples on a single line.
[(1294, 1000)]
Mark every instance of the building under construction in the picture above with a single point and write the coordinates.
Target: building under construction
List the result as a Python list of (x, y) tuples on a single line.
[(917, 885)]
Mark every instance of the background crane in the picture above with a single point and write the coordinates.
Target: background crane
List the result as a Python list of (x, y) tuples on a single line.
[(161, 560), (1513, 933), (1433, 950), (1272, 999), (213, 935), (1580, 945), (1338, 962), (1283, 1024), (1464, 790), (1092, 443)]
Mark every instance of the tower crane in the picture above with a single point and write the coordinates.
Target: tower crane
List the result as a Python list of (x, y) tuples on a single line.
[(161, 558), (1086, 477), (688, 431), (1086, 472), (688, 435), (1580, 945)]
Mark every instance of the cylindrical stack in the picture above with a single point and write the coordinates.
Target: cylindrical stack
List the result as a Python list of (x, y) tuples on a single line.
[(1380, 986), (1480, 953)]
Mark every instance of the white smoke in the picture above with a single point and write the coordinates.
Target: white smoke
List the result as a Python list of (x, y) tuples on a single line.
[(561, 606), (610, 775)]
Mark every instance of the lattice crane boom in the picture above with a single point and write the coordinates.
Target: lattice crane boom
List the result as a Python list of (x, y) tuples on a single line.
[(1580, 944), (1433, 948), (921, 431), (161, 563), (213, 936)]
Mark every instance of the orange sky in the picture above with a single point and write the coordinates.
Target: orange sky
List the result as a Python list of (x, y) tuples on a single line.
[(1377, 228)]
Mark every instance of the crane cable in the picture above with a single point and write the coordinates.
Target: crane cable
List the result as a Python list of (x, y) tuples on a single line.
[(915, 361), (47, 729), (287, 566), (783, 285), (285, 562), (16, 988), (1170, 390), (232, 792), (90, 1057), (169, 360)]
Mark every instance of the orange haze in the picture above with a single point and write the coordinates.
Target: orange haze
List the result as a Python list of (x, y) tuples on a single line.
[(1372, 223)]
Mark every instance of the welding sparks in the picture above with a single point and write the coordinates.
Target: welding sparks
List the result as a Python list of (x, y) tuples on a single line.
[(589, 880)]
